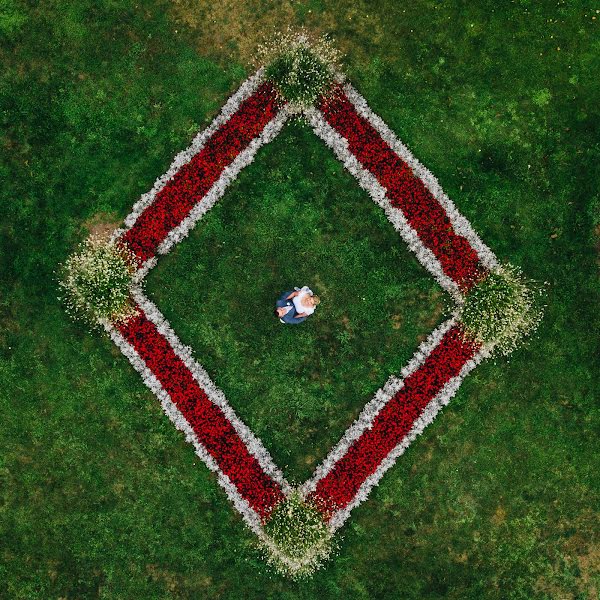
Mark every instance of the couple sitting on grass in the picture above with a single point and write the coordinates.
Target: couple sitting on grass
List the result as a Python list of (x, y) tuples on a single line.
[(293, 307)]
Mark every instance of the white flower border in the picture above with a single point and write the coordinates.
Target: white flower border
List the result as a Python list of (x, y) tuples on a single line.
[(367, 181), (216, 396), (227, 176), (181, 423), (383, 395), (249, 515), (425, 418), (230, 107), (367, 417)]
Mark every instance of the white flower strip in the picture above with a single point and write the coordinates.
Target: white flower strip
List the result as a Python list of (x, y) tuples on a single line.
[(369, 183), (426, 417), (143, 270), (215, 395), (229, 109), (371, 410), (229, 174), (249, 515), (459, 223)]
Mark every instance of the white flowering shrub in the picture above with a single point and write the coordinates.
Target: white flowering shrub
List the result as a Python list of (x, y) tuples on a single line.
[(95, 281), (302, 541), (300, 65), (503, 309)]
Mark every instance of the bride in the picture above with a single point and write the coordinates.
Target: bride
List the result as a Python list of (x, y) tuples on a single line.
[(305, 301)]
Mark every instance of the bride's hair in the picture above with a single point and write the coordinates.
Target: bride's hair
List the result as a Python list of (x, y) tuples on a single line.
[(316, 299)]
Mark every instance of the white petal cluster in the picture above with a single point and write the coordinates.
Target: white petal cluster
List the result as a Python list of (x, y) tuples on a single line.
[(95, 281), (300, 65), (503, 309), (300, 535)]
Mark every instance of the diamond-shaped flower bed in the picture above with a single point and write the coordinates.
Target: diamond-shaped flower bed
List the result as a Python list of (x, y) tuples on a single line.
[(443, 242), (306, 383)]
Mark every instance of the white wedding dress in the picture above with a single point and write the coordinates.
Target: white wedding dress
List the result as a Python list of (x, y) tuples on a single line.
[(304, 292)]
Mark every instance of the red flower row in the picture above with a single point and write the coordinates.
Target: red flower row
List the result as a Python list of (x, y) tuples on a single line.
[(212, 428), (192, 182), (405, 191), (338, 488)]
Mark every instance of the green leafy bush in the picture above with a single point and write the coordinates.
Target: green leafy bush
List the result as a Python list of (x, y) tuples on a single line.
[(301, 66), (503, 309), (95, 281), (301, 539)]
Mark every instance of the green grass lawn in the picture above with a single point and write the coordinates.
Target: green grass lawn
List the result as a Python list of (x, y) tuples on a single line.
[(100, 497)]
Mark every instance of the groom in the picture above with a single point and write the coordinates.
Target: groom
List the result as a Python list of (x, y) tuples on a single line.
[(286, 311)]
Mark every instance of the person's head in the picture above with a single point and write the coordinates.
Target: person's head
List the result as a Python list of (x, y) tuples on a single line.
[(313, 300), (280, 311)]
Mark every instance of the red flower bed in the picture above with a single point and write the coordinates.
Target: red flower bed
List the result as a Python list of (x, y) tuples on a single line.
[(405, 190), (212, 428), (192, 182), (393, 422), (240, 458)]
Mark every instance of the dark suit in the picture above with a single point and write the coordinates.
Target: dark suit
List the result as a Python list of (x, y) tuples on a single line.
[(290, 316)]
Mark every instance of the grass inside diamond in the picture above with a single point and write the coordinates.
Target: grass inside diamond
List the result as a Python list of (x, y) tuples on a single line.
[(296, 217)]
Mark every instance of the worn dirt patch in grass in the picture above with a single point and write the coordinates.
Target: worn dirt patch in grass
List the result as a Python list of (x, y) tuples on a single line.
[(102, 224), (170, 579), (584, 548), (396, 321), (581, 554), (589, 565), (499, 516), (231, 30)]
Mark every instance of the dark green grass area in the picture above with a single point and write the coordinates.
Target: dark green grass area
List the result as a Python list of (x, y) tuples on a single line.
[(100, 496), (296, 217)]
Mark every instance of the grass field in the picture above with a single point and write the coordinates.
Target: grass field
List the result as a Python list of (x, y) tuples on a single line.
[(100, 496)]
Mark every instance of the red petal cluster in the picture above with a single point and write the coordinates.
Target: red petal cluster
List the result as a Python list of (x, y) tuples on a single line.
[(405, 190)]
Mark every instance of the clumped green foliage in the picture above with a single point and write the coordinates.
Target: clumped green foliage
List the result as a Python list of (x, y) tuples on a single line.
[(301, 539), (503, 309), (300, 65), (95, 281)]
